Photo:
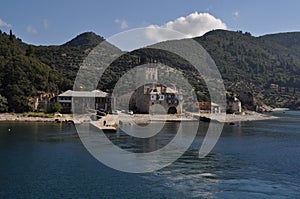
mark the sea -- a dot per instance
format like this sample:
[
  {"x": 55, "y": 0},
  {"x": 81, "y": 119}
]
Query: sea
[{"x": 255, "y": 159}]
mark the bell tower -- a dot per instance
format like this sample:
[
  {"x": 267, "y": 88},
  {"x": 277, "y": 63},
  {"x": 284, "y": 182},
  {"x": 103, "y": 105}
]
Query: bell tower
[{"x": 147, "y": 74}]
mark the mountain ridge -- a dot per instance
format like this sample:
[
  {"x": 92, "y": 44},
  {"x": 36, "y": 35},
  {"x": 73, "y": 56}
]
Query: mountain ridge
[
  {"x": 84, "y": 39},
  {"x": 241, "y": 58}
]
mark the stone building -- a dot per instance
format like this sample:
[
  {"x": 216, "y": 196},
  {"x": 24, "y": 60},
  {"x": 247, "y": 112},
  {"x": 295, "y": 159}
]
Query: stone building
[
  {"x": 42, "y": 102},
  {"x": 153, "y": 98}
]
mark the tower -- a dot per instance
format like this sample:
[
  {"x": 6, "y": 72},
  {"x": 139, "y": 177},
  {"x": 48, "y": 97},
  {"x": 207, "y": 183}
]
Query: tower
[{"x": 147, "y": 74}]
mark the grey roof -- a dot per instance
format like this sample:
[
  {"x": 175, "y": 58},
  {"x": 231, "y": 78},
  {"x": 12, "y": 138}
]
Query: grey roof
[{"x": 94, "y": 93}]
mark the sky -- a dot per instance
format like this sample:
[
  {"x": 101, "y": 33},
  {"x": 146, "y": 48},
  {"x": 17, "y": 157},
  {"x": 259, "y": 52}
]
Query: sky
[{"x": 55, "y": 22}]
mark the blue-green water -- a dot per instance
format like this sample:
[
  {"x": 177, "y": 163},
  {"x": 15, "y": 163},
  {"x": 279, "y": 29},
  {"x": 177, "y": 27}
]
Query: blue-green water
[{"x": 251, "y": 160}]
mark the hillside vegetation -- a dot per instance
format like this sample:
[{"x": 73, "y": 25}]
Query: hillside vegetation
[
  {"x": 266, "y": 67},
  {"x": 252, "y": 64}
]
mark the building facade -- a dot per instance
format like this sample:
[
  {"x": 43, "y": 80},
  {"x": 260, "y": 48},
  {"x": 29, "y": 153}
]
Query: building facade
[
  {"x": 152, "y": 98},
  {"x": 82, "y": 101},
  {"x": 234, "y": 105}
]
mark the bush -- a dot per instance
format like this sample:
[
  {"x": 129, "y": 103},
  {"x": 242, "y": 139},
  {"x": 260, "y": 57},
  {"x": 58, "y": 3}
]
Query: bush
[
  {"x": 3, "y": 104},
  {"x": 56, "y": 107}
]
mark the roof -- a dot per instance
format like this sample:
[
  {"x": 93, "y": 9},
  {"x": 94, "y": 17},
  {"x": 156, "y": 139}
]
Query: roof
[
  {"x": 94, "y": 93},
  {"x": 204, "y": 103},
  {"x": 214, "y": 104},
  {"x": 170, "y": 90}
]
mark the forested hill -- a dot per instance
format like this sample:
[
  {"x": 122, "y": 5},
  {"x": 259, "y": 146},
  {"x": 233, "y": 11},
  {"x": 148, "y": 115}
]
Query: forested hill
[
  {"x": 27, "y": 70},
  {"x": 247, "y": 64},
  {"x": 258, "y": 63}
]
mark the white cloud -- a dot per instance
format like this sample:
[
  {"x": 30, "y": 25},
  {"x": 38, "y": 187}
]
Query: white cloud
[
  {"x": 236, "y": 14},
  {"x": 4, "y": 24},
  {"x": 45, "y": 24},
  {"x": 193, "y": 25},
  {"x": 30, "y": 29},
  {"x": 122, "y": 23}
]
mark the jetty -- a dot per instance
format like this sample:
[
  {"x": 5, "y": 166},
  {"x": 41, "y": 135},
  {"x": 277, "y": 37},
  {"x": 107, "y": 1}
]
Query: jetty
[
  {"x": 111, "y": 123},
  {"x": 108, "y": 123}
]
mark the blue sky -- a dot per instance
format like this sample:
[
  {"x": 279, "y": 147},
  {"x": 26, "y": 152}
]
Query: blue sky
[{"x": 58, "y": 21}]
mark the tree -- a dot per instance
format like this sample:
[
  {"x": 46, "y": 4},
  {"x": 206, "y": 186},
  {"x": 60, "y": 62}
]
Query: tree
[
  {"x": 30, "y": 51},
  {"x": 57, "y": 107},
  {"x": 19, "y": 104},
  {"x": 10, "y": 35},
  {"x": 3, "y": 104}
]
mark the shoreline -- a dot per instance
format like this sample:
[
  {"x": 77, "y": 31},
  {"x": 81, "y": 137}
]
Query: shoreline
[
  {"x": 144, "y": 118},
  {"x": 232, "y": 118},
  {"x": 281, "y": 109},
  {"x": 19, "y": 117}
]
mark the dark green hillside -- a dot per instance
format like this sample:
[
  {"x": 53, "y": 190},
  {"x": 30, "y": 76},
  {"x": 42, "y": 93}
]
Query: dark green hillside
[
  {"x": 85, "y": 40},
  {"x": 249, "y": 65},
  {"x": 68, "y": 57},
  {"x": 289, "y": 40},
  {"x": 252, "y": 63},
  {"x": 240, "y": 56},
  {"x": 23, "y": 74},
  {"x": 27, "y": 70},
  {"x": 148, "y": 55},
  {"x": 287, "y": 48}
]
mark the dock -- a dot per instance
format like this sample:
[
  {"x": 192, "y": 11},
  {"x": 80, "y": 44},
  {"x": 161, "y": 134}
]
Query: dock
[{"x": 108, "y": 123}]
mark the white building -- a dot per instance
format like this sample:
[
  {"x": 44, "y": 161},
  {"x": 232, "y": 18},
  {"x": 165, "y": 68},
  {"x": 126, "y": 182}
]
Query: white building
[
  {"x": 80, "y": 101},
  {"x": 236, "y": 105}
]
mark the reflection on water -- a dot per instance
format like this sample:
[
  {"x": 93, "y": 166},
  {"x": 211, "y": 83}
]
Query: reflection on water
[
  {"x": 161, "y": 139},
  {"x": 251, "y": 160},
  {"x": 198, "y": 180}
]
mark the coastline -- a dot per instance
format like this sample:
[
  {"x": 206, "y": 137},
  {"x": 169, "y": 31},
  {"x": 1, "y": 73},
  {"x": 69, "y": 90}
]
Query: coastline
[
  {"x": 249, "y": 116},
  {"x": 230, "y": 118},
  {"x": 19, "y": 117},
  {"x": 281, "y": 109}
]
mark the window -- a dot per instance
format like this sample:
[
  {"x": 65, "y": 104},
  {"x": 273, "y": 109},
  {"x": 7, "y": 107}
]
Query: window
[
  {"x": 161, "y": 97},
  {"x": 153, "y": 97}
]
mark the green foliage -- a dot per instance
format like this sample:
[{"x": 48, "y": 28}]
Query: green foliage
[
  {"x": 254, "y": 63},
  {"x": 3, "y": 104},
  {"x": 246, "y": 63},
  {"x": 21, "y": 76},
  {"x": 30, "y": 51},
  {"x": 87, "y": 39},
  {"x": 56, "y": 107},
  {"x": 25, "y": 70},
  {"x": 38, "y": 114}
]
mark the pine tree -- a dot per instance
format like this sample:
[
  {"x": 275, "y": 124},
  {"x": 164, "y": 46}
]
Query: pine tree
[{"x": 10, "y": 35}]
